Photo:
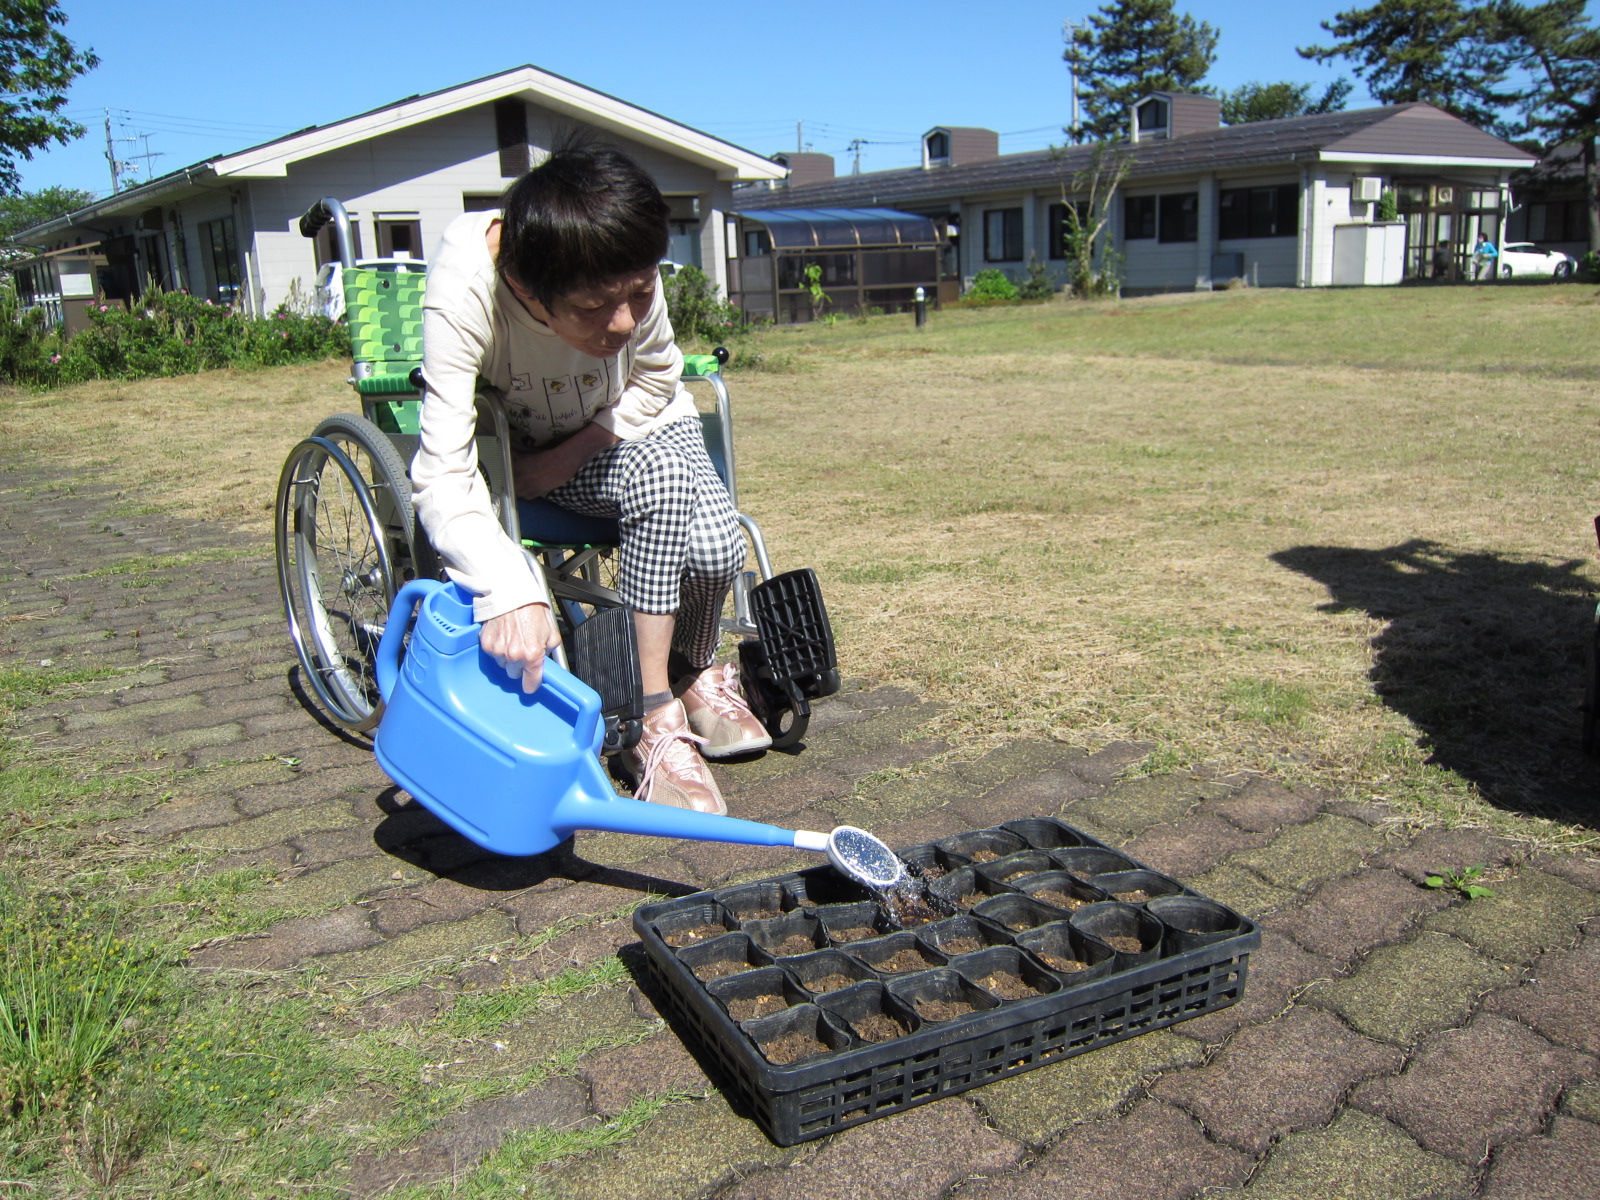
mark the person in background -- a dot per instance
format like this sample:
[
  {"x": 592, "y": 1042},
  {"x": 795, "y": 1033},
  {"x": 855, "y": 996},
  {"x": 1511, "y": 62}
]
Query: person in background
[{"x": 1485, "y": 258}]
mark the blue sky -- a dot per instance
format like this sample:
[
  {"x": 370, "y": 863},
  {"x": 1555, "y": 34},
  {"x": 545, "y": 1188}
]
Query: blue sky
[{"x": 202, "y": 79}]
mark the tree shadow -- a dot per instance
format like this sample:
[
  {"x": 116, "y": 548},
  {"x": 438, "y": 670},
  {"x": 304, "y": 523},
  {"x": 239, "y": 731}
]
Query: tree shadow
[{"x": 1485, "y": 654}]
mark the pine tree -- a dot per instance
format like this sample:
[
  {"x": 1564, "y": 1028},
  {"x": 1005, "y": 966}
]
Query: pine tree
[
  {"x": 1441, "y": 52},
  {"x": 1560, "y": 52},
  {"x": 37, "y": 64},
  {"x": 1274, "y": 101},
  {"x": 1130, "y": 48}
]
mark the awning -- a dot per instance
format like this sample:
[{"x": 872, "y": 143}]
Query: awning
[{"x": 841, "y": 228}]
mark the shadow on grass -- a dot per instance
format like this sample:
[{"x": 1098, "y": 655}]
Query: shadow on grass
[{"x": 1485, "y": 654}]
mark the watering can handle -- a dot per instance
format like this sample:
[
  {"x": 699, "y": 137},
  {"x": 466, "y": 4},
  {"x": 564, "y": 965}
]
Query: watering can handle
[{"x": 401, "y": 612}]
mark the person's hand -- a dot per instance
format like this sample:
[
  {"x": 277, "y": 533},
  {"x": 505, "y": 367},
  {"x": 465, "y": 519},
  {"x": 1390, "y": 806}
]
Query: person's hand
[{"x": 518, "y": 641}]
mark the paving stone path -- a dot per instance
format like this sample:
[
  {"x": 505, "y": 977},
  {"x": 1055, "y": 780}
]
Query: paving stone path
[{"x": 1393, "y": 1041}]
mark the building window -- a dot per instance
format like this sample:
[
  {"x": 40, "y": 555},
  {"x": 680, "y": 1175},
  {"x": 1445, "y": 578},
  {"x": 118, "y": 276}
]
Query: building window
[
  {"x": 399, "y": 238},
  {"x": 1002, "y": 235},
  {"x": 938, "y": 146},
  {"x": 757, "y": 243},
  {"x": 1152, "y": 116},
  {"x": 222, "y": 259},
  {"x": 1060, "y": 228},
  {"x": 1180, "y": 217},
  {"x": 1259, "y": 212},
  {"x": 471, "y": 202},
  {"x": 1558, "y": 221},
  {"x": 1138, "y": 217}
]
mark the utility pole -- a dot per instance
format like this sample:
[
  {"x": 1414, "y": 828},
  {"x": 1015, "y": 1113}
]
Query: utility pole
[
  {"x": 1068, "y": 28},
  {"x": 855, "y": 148},
  {"x": 111, "y": 157},
  {"x": 118, "y": 166},
  {"x": 148, "y": 154},
  {"x": 800, "y": 136}
]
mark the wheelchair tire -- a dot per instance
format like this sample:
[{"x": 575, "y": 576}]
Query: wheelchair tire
[{"x": 346, "y": 542}]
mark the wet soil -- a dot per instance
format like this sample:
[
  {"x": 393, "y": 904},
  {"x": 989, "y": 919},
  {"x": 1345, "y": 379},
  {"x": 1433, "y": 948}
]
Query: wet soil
[
  {"x": 708, "y": 971},
  {"x": 1059, "y": 899},
  {"x": 688, "y": 937},
  {"x": 879, "y": 1027},
  {"x": 855, "y": 933},
  {"x": 791, "y": 1048},
  {"x": 960, "y": 945},
  {"x": 942, "y": 1010},
  {"x": 1007, "y": 985},
  {"x": 1018, "y": 923},
  {"x": 1136, "y": 896},
  {"x": 931, "y": 872},
  {"x": 901, "y": 961},
  {"x": 1020, "y": 873},
  {"x": 828, "y": 983},
  {"x": 748, "y": 1008},
  {"x": 968, "y": 899},
  {"x": 983, "y": 856},
  {"x": 1125, "y": 945},
  {"x": 1057, "y": 963},
  {"x": 795, "y": 943},
  {"x": 909, "y": 910}
]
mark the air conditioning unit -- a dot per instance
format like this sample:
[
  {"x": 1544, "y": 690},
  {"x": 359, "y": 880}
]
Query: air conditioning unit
[{"x": 1366, "y": 189}]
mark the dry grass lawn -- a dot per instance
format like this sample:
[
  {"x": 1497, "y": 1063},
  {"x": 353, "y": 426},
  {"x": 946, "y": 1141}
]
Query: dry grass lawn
[{"x": 1343, "y": 537}]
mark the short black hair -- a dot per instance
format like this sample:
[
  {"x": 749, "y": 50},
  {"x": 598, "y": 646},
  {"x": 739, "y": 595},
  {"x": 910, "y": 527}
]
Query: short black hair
[{"x": 587, "y": 214}]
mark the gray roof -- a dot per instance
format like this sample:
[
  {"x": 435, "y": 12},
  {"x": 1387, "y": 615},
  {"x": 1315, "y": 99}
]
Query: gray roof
[{"x": 1401, "y": 129}]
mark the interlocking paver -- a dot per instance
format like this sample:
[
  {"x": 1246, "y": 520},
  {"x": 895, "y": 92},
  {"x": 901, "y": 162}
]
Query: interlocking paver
[
  {"x": 1562, "y": 1165},
  {"x": 1273, "y": 1079},
  {"x": 1155, "y": 1152},
  {"x": 1356, "y": 1157},
  {"x": 1559, "y": 997},
  {"x": 1468, "y": 1090},
  {"x": 1350, "y": 916},
  {"x": 1530, "y": 912},
  {"x": 920, "y": 1155},
  {"x": 1405, "y": 991}
]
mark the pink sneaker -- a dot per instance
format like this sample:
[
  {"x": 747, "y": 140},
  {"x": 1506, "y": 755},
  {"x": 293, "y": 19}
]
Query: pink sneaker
[
  {"x": 718, "y": 713},
  {"x": 667, "y": 766}
]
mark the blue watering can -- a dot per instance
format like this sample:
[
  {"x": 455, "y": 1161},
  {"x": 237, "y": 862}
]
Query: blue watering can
[{"x": 519, "y": 773}]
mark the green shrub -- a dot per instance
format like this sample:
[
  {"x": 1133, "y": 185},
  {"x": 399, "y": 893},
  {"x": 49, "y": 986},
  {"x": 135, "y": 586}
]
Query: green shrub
[
  {"x": 1388, "y": 206},
  {"x": 168, "y": 333},
  {"x": 696, "y": 311},
  {"x": 1589, "y": 264},
  {"x": 990, "y": 287},
  {"x": 1038, "y": 285}
]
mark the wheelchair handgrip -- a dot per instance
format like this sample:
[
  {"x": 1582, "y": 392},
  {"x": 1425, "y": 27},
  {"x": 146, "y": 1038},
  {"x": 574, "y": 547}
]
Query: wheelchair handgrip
[{"x": 314, "y": 218}]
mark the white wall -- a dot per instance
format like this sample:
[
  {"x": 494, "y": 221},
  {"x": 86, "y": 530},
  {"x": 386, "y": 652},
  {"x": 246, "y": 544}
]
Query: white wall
[{"x": 424, "y": 171}]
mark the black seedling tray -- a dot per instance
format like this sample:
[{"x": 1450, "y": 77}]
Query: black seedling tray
[{"x": 1180, "y": 973}]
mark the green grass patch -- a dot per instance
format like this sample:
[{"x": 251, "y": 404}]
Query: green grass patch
[{"x": 1267, "y": 701}]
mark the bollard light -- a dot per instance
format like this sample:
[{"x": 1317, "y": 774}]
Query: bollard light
[{"x": 920, "y": 307}]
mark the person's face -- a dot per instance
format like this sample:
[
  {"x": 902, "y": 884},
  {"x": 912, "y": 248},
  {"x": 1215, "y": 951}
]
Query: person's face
[{"x": 597, "y": 320}]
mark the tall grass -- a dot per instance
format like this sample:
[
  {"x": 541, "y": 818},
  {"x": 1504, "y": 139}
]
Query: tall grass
[{"x": 74, "y": 993}]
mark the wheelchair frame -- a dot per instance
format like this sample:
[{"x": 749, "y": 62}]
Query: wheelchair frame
[{"x": 347, "y": 538}]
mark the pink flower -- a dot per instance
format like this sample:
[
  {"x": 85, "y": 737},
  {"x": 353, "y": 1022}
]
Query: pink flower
[
  {"x": 55, "y": 358},
  {"x": 102, "y": 308},
  {"x": 284, "y": 334}
]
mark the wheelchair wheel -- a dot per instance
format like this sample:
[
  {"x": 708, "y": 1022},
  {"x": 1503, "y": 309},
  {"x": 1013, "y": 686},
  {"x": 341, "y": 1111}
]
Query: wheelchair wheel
[{"x": 346, "y": 542}]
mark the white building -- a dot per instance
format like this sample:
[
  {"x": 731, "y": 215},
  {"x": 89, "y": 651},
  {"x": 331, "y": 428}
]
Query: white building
[{"x": 226, "y": 227}]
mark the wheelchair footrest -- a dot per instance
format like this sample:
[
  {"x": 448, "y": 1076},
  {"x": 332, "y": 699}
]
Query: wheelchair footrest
[
  {"x": 604, "y": 654},
  {"x": 796, "y": 639}
]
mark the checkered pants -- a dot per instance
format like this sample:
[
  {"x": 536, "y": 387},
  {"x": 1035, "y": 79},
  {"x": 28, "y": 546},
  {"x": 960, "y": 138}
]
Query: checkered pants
[{"x": 681, "y": 542}]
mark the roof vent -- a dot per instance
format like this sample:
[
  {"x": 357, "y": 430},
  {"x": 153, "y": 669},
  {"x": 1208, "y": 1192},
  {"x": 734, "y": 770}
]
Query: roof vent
[
  {"x": 953, "y": 145},
  {"x": 1173, "y": 114}
]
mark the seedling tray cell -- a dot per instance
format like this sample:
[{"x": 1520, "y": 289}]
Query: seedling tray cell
[{"x": 838, "y": 1078}]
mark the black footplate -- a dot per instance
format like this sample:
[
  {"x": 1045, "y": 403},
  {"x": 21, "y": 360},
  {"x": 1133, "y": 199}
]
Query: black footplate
[
  {"x": 792, "y": 661},
  {"x": 604, "y": 654}
]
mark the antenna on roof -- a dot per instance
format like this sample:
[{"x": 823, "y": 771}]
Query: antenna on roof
[{"x": 1074, "y": 130}]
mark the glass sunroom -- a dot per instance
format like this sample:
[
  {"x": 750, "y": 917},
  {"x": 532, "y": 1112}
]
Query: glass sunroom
[{"x": 872, "y": 259}]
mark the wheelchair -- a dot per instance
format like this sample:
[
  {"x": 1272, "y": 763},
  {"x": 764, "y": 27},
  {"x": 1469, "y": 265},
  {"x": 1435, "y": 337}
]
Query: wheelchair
[{"x": 347, "y": 538}]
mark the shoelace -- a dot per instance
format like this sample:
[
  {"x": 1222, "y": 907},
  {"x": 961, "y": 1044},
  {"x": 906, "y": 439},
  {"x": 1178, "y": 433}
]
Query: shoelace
[
  {"x": 660, "y": 749},
  {"x": 720, "y": 690}
]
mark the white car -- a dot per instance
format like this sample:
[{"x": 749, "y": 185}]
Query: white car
[
  {"x": 1524, "y": 258},
  {"x": 328, "y": 296}
]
